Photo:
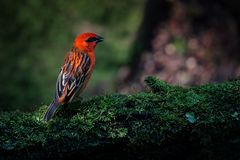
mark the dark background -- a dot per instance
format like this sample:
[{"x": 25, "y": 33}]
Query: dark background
[{"x": 186, "y": 42}]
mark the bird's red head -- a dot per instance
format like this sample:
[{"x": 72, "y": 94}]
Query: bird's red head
[{"x": 86, "y": 42}]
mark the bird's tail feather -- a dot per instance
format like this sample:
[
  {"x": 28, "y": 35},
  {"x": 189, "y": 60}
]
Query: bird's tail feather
[{"x": 51, "y": 110}]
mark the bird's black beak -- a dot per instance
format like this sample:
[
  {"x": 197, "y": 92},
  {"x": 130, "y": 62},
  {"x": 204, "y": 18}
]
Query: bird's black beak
[{"x": 99, "y": 39}]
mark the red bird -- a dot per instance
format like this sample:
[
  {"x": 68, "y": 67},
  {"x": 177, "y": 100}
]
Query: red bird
[{"x": 75, "y": 72}]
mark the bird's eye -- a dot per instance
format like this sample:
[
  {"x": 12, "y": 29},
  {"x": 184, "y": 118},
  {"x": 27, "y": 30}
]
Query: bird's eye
[{"x": 91, "y": 39}]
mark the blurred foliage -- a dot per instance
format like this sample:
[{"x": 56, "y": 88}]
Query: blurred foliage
[
  {"x": 36, "y": 34},
  {"x": 188, "y": 42},
  {"x": 168, "y": 122}
]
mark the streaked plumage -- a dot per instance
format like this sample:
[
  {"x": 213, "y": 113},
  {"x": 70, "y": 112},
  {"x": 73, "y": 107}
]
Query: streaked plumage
[{"x": 75, "y": 72}]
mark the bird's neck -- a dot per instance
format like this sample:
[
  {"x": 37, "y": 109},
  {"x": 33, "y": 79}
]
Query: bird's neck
[
  {"x": 91, "y": 54},
  {"x": 92, "y": 57}
]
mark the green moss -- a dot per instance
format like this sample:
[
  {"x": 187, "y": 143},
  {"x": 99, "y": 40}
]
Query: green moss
[{"x": 166, "y": 121}]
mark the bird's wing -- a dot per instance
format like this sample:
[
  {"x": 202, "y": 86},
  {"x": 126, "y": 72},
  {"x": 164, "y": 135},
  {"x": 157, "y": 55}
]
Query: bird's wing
[{"x": 72, "y": 76}]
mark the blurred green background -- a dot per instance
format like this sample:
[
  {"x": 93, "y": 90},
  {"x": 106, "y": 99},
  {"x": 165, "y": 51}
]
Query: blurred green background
[
  {"x": 36, "y": 34},
  {"x": 185, "y": 42}
]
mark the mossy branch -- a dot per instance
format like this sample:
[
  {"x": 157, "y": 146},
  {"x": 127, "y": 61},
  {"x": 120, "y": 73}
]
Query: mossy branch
[{"x": 165, "y": 122}]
